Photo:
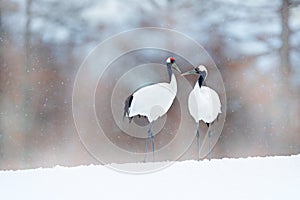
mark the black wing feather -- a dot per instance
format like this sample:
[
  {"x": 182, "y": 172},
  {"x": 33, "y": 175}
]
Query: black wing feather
[
  {"x": 127, "y": 105},
  {"x": 129, "y": 99}
]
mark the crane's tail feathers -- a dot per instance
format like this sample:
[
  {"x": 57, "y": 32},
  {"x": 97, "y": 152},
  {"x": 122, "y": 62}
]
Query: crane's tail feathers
[{"x": 127, "y": 105}]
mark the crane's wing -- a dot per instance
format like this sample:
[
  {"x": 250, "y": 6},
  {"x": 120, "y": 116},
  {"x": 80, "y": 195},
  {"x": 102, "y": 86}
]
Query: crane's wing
[
  {"x": 129, "y": 99},
  {"x": 204, "y": 104}
]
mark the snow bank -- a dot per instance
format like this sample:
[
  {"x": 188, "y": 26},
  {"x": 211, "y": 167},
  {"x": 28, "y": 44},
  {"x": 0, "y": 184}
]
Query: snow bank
[{"x": 251, "y": 178}]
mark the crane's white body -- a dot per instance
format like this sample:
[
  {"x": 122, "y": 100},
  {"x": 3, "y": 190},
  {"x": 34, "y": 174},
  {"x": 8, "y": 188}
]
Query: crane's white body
[
  {"x": 204, "y": 104},
  {"x": 153, "y": 101}
]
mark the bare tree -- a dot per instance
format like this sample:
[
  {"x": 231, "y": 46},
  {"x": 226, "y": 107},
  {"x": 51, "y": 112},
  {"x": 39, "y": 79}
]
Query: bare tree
[
  {"x": 285, "y": 38},
  {"x": 1, "y": 65},
  {"x": 284, "y": 93},
  {"x": 26, "y": 82}
]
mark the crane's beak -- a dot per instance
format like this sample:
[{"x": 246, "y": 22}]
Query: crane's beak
[
  {"x": 189, "y": 72},
  {"x": 174, "y": 65}
]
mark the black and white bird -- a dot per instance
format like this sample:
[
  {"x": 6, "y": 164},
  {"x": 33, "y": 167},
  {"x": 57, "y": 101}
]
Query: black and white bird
[
  {"x": 153, "y": 101},
  {"x": 204, "y": 103}
]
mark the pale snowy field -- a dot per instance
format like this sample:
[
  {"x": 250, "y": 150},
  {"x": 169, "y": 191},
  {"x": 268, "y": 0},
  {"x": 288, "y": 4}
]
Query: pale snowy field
[{"x": 251, "y": 178}]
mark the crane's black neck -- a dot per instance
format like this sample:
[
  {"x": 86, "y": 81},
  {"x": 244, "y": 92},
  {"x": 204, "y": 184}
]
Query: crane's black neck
[
  {"x": 169, "y": 68},
  {"x": 200, "y": 81}
]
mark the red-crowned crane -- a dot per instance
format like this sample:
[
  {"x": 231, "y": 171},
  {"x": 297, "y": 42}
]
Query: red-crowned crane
[
  {"x": 153, "y": 101},
  {"x": 204, "y": 103}
]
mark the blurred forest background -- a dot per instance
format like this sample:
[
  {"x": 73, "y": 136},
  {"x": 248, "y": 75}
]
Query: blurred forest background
[{"x": 255, "y": 44}]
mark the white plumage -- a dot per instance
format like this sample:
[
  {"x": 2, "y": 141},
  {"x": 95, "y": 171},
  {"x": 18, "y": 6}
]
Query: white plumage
[
  {"x": 153, "y": 101},
  {"x": 204, "y": 103}
]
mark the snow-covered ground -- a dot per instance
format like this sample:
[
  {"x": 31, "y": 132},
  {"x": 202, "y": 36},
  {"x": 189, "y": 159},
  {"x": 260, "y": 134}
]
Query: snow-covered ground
[{"x": 251, "y": 178}]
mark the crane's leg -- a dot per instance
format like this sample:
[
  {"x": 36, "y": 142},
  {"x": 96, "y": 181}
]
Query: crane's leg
[
  {"x": 198, "y": 141},
  {"x": 150, "y": 135},
  {"x": 152, "y": 138},
  {"x": 209, "y": 145},
  {"x": 146, "y": 150}
]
